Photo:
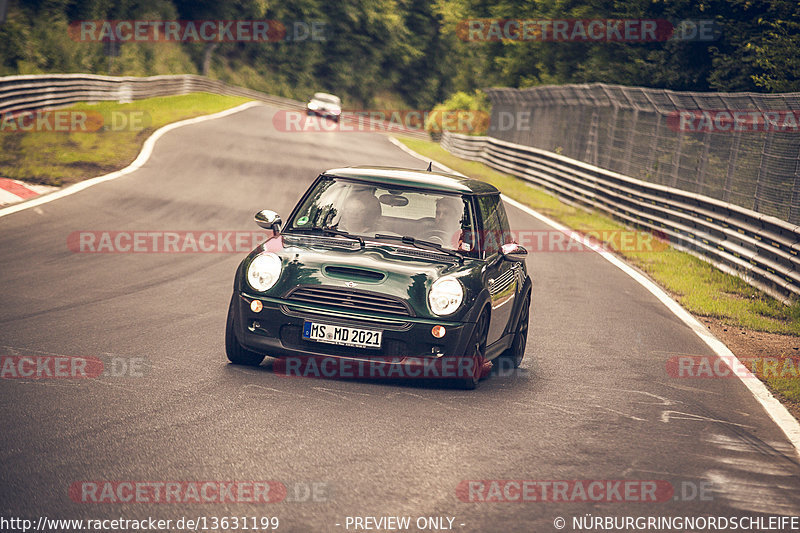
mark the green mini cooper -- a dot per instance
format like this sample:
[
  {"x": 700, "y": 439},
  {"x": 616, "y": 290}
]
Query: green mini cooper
[{"x": 384, "y": 272}]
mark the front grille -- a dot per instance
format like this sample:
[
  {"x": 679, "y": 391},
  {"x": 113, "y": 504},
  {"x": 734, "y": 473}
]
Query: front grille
[
  {"x": 349, "y": 300},
  {"x": 346, "y": 319}
]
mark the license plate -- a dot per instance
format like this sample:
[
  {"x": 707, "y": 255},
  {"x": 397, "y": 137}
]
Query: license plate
[{"x": 342, "y": 335}]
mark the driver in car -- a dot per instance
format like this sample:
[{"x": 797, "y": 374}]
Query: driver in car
[
  {"x": 361, "y": 211},
  {"x": 446, "y": 226}
]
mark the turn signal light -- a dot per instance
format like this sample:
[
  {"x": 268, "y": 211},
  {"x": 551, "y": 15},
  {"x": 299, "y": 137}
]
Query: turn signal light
[{"x": 438, "y": 331}]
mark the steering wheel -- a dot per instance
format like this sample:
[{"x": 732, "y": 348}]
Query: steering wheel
[{"x": 437, "y": 235}]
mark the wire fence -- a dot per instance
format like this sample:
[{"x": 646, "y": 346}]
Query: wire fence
[{"x": 740, "y": 148}]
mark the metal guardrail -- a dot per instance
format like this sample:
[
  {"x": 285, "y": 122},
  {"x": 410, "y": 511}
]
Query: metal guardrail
[
  {"x": 761, "y": 249},
  {"x": 18, "y": 93},
  {"x": 26, "y": 93}
]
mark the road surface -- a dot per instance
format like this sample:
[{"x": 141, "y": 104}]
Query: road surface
[{"x": 593, "y": 401}]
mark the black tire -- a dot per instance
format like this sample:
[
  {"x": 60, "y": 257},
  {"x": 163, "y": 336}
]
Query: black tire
[
  {"x": 476, "y": 350},
  {"x": 516, "y": 352},
  {"x": 236, "y": 354}
]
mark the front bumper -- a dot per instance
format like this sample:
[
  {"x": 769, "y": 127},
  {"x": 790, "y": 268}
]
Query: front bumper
[
  {"x": 277, "y": 331},
  {"x": 323, "y": 113}
]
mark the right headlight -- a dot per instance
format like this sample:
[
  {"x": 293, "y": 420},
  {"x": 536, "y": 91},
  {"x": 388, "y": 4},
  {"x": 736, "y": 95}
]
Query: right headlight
[
  {"x": 264, "y": 271},
  {"x": 445, "y": 296}
]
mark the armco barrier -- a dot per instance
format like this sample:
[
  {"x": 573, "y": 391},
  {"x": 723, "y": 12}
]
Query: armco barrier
[
  {"x": 19, "y": 93},
  {"x": 761, "y": 249},
  {"x": 24, "y": 93}
]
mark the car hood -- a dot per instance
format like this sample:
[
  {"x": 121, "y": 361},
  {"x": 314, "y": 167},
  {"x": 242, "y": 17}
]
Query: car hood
[{"x": 403, "y": 272}]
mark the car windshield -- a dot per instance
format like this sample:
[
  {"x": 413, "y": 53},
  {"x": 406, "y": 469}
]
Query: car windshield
[
  {"x": 327, "y": 98},
  {"x": 367, "y": 210}
]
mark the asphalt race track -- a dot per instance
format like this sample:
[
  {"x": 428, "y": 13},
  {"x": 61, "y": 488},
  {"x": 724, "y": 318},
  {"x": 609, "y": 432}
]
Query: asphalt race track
[{"x": 594, "y": 400}]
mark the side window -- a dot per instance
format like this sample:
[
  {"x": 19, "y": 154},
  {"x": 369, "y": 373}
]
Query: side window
[
  {"x": 491, "y": 230},
  {"x": 468, "y": 239},
  {"x": 502, "y": 218}
]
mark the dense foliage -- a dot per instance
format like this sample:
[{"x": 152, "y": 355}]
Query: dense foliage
[{"x": 410, "y": 53}]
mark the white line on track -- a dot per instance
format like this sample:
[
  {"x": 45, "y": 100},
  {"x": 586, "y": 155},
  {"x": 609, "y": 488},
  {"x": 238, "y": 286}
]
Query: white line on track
[
  {"x": 779, "y": 414},
  {"x": 144, "y": 155}
]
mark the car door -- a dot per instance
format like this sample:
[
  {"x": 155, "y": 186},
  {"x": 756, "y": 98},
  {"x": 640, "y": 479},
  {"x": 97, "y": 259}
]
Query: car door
[{"x": 502, "y": 278}]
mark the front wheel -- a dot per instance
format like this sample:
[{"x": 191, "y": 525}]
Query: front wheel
[
  {"x": 236, "y": 354},
  {"x": 476, "y": 354},
  {"x": 517, "y": 350}
]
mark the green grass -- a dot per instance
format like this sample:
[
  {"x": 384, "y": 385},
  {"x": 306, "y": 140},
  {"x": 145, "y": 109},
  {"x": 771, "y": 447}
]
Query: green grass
[
  {"x": 61, "y": 158},
  {"x": 697, "y": 285}
]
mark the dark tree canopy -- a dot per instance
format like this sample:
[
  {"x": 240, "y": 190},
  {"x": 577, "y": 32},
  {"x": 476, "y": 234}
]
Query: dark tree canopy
[{"x": 411, "y": 53}]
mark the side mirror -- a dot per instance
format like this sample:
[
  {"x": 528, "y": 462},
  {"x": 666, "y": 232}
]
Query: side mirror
[
  {"x": 269, "y": 220},
  {"x": 514, "y": 252}
]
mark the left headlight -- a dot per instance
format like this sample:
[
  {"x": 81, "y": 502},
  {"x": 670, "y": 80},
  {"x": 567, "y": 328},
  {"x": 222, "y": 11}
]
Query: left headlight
[
  {"x": 264, "y": 271},
  {"x": 445, "y": 296}
]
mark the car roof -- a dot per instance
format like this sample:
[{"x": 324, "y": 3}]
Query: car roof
[
  {"x": 410, "y": 177},
  {"x": 323, "y": 95}
]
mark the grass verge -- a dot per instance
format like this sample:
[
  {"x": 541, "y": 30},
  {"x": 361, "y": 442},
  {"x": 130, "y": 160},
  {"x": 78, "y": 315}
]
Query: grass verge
[
  {"x": 702, "y": 289},
  {"x": 64, "y": 157}
]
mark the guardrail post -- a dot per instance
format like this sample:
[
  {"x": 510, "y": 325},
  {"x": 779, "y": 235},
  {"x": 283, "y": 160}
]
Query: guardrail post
[
  {"x": 626, "y": 169},
  {"x": 125, "y": 93},
  {"x": 612, "y": 134},
  {"x": 652, "y": 161},
  {"x": 726, "y": 192},
  {"x": 590, "y": 155},
  {"x": 794, "y": 205},
  {"x": 761, "y": 170},
  {"x": 676, "y": 160},
  {"x": 702, "y": 164}
]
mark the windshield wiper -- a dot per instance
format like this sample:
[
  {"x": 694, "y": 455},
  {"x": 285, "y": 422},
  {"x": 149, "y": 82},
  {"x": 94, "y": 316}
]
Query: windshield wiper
[
  {"x": 340, "y": 233},
  {"x": 421, "y": 244}
]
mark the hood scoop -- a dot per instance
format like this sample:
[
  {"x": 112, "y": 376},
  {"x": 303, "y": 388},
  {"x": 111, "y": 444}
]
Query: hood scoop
[{"x": 355, "y": 274}]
